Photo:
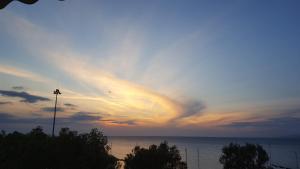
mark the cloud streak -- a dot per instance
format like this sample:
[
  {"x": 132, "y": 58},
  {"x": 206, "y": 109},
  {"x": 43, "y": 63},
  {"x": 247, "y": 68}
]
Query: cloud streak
[
  {"x": 9, "y": 70},
  {"x": 128, "y": 122},
  {"x": 80, "y": 117},
  {"x": 26, "y": 97},
  {"x": 84, "y": 117},
  {"x": 5, "y": 103},
  {"x": 112, "y": 93},
  {"x": 275, "y": 123},
  {"x": 70, "y": 105},
  {"x": 144, "y": 103},
  {"x": 192, "y": 107},
  {"x": 18, "y": 88},
  {"x": 51, "y": 109}
]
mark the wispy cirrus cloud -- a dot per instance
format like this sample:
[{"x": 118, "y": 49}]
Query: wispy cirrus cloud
[
  {"x": 10, "y": 70},
  {"x": 144, "y": 103},
  {"x": 118, "y": 96},
  {"x": 26, "y": 97}
]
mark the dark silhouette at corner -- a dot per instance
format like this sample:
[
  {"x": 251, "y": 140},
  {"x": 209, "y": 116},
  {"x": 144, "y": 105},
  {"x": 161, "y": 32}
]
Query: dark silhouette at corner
[
  {"x": 4, "y": 3},
  {"x": 68, "y": 150}
]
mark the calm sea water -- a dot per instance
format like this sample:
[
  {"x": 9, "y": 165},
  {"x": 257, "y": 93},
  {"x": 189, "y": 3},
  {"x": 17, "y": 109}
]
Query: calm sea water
[{"x": 282, "y": 151}]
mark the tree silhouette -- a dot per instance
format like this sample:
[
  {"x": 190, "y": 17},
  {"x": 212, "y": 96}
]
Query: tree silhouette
[
  {"x": 249, "y": 156},
  {"x": 156, "y": 157},
  {"x": 69, "y": 150}
]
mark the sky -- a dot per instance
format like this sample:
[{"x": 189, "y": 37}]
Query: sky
[{"x": 152, "y": 68}]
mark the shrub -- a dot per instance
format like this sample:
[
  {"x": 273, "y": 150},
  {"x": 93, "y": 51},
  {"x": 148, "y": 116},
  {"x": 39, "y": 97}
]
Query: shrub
[
  {"x": 69, "y": 150},
  {"x": 249, "y": 156},
  {"x": 155, "y": 157}
]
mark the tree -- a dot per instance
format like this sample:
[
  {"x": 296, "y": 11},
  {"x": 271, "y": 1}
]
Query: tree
[
  {"x": 155, "y": 157},
  {"x": 69, "y": 150},
  {"x": 249, "y": 156}
]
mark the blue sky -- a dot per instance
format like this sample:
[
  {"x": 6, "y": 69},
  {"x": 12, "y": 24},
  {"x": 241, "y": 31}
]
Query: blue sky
[{"x": 199, "y": 68}]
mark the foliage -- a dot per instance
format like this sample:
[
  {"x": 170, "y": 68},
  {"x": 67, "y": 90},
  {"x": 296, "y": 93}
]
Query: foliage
[
  {"x": 69, "y": 150},
  {"x": 249, "y": 156},
  {"x": 156, "y": 157}
]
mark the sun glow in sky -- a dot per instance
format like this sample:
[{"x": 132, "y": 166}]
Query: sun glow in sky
[{"x": 192, "y": 68}]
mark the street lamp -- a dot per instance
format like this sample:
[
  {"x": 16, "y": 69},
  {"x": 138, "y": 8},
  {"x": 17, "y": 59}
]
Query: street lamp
[{"x": 56, "y": 92}]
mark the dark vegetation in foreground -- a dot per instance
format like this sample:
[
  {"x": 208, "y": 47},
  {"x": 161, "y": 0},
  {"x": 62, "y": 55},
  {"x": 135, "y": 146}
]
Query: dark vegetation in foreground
[
  {"x": 249, "y": 156},
  {"x": 70, "y": 150},
  {"x": 156, "y": 157}
]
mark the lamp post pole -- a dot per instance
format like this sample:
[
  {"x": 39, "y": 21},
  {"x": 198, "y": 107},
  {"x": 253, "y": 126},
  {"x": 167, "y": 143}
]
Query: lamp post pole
[{"x": 56, "y": 92}]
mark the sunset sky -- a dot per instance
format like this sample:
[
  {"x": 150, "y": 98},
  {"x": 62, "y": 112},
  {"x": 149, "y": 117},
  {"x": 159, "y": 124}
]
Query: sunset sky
[{"x": 169, "y": 67}]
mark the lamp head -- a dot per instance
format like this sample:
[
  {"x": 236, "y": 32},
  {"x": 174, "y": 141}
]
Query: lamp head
[{"x": 56, "y": 91}]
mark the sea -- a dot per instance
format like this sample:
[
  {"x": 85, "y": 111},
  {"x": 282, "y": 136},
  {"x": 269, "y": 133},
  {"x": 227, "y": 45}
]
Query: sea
[{"x": 204, "y": 152}]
